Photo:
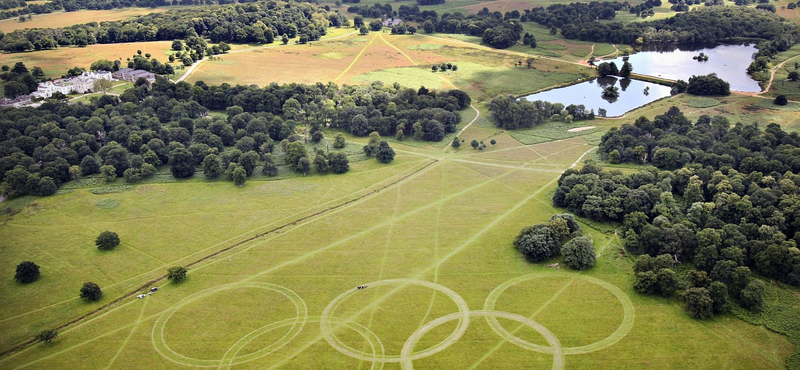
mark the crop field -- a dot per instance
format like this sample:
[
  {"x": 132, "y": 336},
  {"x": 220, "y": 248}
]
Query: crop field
[
  {"x": 429, "y": 235},
  {"x": 56, "y": 62},
  {"x": 63, "y": 19}
]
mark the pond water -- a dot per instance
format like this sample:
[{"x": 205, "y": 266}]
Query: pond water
[
  {"x": 673, "y": 62},
  {"x": 632, "y": 94}
]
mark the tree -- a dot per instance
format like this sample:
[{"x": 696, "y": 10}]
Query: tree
[
  {"x": 239, "y": 175},
  {"x": 338, "y": 162},
  {"x": 107, "y": 240},
  {"x": 385, "y": 153},
  {"x": 456, "y": 142},
  {"x": 579, "y": 253},
  {"x": 321, "y": 164},
  {"x": 285, "y": 39},
  {"x": 269, "y": 168},
  {"x": 699, "y": 303},
  {"x": 177, "y": 45},
  {"x": 212, "y": 167},
  {"x": 474, "y": 143},
  {"x": 363, "y": 30},
  {"x": 27, "y": 272},
  {"x": 780, "y": 100},
  {"x": 181, "y": 162},
  {"x": 339, "y": 142},
  {"x": 752, "y": 296},
  {"x": 303, "y": 166},
  {"x": 537, "y": 242},
  {"x": 373, "y": 144},
  {"x": 176, "y": 274},
  {"x": 794, "y": 76},
  {"x": 91, "y": 292},
  {"x": 101, "y": 85},
  {"x": 626, "y": 69},
  {"x": 294, "y": 152},
  {"x": 46, "y": 336},
  {"x": 376, "y": 25},
  {"x": 719, "y": 295}
]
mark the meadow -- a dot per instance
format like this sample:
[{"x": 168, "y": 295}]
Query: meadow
[
  {"x": 63, "y": 19},
  {"x": 274, "y": 265},
  {"x": 433, "y": 245}
]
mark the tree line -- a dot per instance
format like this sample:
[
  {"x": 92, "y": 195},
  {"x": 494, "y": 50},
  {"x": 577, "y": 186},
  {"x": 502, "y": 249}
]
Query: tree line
[
  {"x": 259, "y": 22},
  {"x": 75, "y": 5},
  {"x": 167, "y": 123}
]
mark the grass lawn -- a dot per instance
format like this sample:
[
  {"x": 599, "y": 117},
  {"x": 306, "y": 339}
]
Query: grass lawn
[{"x": 448, "y": 227}]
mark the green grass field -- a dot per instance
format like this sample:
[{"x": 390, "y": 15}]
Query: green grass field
[{"x": 274, "y": 265}]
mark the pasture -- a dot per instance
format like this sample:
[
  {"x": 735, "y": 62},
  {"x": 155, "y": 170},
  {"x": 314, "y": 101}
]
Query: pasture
[
  {"x": 64, "y": 19},
  {"x": 433, "y": 245}
]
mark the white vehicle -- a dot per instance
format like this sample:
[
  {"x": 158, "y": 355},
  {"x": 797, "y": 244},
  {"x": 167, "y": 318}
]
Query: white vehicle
[{"x": 140, "y": 296}]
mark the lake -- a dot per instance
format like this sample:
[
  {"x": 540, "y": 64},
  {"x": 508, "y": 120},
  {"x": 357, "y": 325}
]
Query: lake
[
  {"x": 673, "y": 62},
  {"x": 631, "y": 95}
]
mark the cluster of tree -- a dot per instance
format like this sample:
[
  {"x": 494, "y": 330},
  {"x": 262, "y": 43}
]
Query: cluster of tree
[
  {"x": 166, "y": 123},
  {"x": 705, "y": 295},
  {"x": 259, "y": 22},
  {"x": 735, "y": 198},
  {"x": 372, "y": 11},
  {"x": 644, "y": 9},
  {"x": 610, "y": 69},
  {"x": 389, "y": 110},
  {"x": 444, "y": 67},
  {"x": 560, "y": 15},
  {"x": 706, "y": 25},
  {"x": 562, "y": 235},
  {"x": 19, "y": 81},
  {"x": 708, "y": 85},
  {"x": 512, "y": 113},
  {"x": 670, "y": 141},
  {"x": 402, "y": 29}
]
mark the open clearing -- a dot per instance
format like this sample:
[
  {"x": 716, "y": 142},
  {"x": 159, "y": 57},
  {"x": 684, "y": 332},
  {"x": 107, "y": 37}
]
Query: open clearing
[{"x": 64, "y": 19}]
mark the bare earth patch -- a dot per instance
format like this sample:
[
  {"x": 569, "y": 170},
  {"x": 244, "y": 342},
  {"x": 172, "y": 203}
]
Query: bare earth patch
[{"x": 579, "y": 129}]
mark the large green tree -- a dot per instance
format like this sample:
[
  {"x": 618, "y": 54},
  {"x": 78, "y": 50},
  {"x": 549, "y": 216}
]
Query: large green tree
[
  {"x": 107, "y": 240},
  {"x": 579, "y": 253},
  {"x": 27, "y": 272}
]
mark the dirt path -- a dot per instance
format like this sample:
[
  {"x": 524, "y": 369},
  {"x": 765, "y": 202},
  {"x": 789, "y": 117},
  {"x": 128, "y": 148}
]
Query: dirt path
[{"x": 772, "y": 74}]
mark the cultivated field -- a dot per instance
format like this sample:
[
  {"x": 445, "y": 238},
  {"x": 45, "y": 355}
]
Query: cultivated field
[{"x": 62, "y": 19}]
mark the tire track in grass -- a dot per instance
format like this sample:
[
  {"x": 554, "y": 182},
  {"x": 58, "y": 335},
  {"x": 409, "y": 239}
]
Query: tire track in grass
[
  {"x": 128, "y": 338},
  {"x": 521, "y": 326},
  {"x": 436, "y": 263},
  {"x": 276, "y": 230}
]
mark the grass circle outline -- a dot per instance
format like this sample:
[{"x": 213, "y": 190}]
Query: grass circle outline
[
  {"x": 552, "y": 340},
  {"x": 330, "y": 336},
  {"x": 299, "y": 321},
  {"x": 621, "y": 332}
]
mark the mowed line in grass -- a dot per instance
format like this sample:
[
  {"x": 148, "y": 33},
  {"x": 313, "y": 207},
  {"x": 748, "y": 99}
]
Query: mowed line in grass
[
  {"x": 306, "y": 256},
  {"x": 435, "y": 264},
  {"x": 227, "y": 241},
  {"x": 276, "y": 231}
]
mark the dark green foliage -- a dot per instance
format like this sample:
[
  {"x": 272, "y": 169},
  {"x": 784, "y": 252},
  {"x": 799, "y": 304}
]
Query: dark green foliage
[
  {"x": 176, "y": 273},
  {"x": 212, "y": 167},
  {"x": 699, "y": 303},
  {"x": 371, "y": 149},
  {"x": 339, "y": 142},
  {"x": 27, "y": 272},
  {"x": 781, "y": 100},
  {"x": 654, "y": 275},
  {"x": 752, "y": 296},
  {"x": 107, "y": 240},
  {"x": 456, "y": 142},
  {"x": 294, "y": 152},
  {"x": 579, "y": 253},
  {"x": 719, "y": 295},
  {"x": 708, "y": 85},
  {"x": 511, "y": 113},
  {"x": 269, "y": 168},
  {"x": 338, "y": 162},
  {"x": 181, "y": 163},
  {"x": 91, "y": 292},
  {"x": 46, "y": 336},
  {"x": 385, "y": 153},
  {"x": 542, "y": 241}
]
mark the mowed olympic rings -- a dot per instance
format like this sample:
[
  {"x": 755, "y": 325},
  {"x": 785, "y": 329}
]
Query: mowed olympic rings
[
  {"x": 231, "y": 357},
  {"x": 330, "y": 336},
  {"x": 622, "y": 330},
  {"x": 376, "y": 351}
]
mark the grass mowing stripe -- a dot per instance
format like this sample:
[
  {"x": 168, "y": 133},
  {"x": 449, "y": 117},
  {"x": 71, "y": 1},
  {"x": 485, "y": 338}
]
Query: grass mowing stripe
[
  {"x": 435, "y": 264},
  {"x": 520, "y": 326},
  {"x": 128, "y": 338},
  {"x": 355, "y": 59}
]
